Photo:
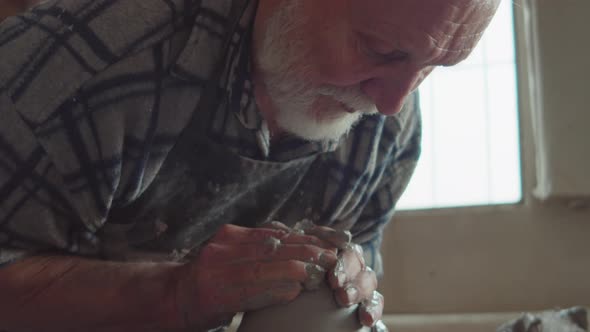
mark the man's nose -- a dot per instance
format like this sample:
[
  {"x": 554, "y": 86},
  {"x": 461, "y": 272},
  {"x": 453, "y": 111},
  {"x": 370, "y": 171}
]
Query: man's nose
[{"x": 389, "y": 92}]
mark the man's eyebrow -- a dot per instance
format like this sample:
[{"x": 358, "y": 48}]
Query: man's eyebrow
[
  {"x": 452, "y": 56},
  {"x": 456, "y": 58}
]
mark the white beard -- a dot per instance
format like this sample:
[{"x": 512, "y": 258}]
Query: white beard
[{"x": 285, "y": 76}]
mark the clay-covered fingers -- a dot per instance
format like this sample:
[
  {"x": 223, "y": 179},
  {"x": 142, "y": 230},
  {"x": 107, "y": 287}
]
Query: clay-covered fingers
[
  {"x": 218, "y": 254},
  {"x": 243, "y": 235},
  {"x": 362, "y": 290},
  {"x": 350, "y": 263},
  {"x": 308, "y": 275},
  {"x": 371, "y": 310},
  {"x": 339, "y": 239},
  {"x": 358, "y": 290}
]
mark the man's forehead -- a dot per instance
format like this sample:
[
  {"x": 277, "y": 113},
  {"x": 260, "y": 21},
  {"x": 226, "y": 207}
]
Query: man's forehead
[
  {"x": 421, "y": 3},
  {"x": 428, "y": 11},
  {"x": 452, "y": 26}
]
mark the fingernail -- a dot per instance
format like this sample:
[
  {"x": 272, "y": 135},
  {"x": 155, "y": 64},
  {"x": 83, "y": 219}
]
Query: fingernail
[
  {"x": 351, "y": 294},
  {"x": 278, "y": 226},
  {"x": 315, "y": 276},
  {"x": 372, "y": 304},
  {"x": 339, "y": 272},
  {"x": 373, "y": 315},
  {"x": 348, "y": 236},
  {"x": 360, "y": 253},
  {"x": 339, "y": 239},
  {"x": 372, "y": 311}
]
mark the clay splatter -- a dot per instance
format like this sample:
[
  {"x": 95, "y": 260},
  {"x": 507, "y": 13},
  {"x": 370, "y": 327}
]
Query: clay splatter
[
  {"x": 273, "y": 242},
  {"x": 315, "y": 276}
]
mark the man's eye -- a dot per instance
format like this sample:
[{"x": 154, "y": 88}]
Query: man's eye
[
  {"x": 385, "y": 56},
  {"x": 390, "y": 56}
]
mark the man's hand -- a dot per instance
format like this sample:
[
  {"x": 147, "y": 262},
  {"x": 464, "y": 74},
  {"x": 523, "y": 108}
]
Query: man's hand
[
  {"x": 354, "y": 282},
  {"x": 244, "y": 269},
  {"x": 351, "y": 279}
]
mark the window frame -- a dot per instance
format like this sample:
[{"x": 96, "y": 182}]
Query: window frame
[{"x": 526, "y": 256}]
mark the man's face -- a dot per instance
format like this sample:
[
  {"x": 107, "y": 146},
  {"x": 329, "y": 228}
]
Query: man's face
[{"x": 326, "y": 63}]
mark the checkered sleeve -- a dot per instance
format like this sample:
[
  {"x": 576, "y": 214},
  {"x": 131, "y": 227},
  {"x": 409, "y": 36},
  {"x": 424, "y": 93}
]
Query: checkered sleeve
[
  {"x": 36, "y": 212},
  {"x": 74, "y": 135},
  {"x": 401, "y": 137}
]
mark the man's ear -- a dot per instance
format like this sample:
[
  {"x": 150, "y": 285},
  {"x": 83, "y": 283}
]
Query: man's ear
[
  {"x": 577, "y": 315},
  {"x": 526, "y": 323}
]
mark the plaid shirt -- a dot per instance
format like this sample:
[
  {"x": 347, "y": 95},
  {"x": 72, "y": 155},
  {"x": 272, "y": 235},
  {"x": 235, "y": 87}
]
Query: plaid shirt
[{"x": 94, "y": 96}]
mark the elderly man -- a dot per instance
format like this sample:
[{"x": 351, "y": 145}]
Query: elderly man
[{"x": 149, "y": 147}]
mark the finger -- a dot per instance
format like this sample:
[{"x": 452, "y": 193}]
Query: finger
[
  {"x": 257, "y": 296},
  {"x": 277, "y": 225},
  {"x": 339, "y": 239},
  {"x": 366, "y": 283},
  {"x": 236, "y": 234},
  {"x": 358, "y": 290},
  {"x": 216, "y": 254},
  {"x": 309, "y": 275},
  {"x": 371, "y": 310},
  {"x": 349, "y": 264}
]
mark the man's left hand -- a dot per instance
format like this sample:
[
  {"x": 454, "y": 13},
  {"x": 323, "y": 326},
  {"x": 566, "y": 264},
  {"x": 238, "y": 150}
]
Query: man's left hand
[
  {"x": 355, "y": 283},
  {"x": 352, "y": 281}
]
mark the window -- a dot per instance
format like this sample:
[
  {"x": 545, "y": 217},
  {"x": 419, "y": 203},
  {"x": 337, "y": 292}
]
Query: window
[{"x": 470, "y": 145}]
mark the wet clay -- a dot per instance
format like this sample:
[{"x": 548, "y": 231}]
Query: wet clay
[
  {"x": 340, "y": 239},
  {"x": 312, "y": 311}
]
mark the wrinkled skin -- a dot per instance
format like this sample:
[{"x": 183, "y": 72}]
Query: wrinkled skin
[
  {"x": 385, "y": 47},
  {"x": 239, "y": 270},
  {"x": 244, "y": 271}
]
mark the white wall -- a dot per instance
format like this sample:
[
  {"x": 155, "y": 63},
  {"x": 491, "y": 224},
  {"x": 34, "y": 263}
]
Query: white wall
[{"x": 529, "y": 256}]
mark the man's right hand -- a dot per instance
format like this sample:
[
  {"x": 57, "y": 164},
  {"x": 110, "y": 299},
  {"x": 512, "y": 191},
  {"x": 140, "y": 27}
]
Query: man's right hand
[{"x": 243, "y": 269}]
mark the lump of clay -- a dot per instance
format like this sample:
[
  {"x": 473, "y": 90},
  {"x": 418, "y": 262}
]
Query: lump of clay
[
  {"x": 312, "y": 311},
  {"x": 569, "y": 320}
]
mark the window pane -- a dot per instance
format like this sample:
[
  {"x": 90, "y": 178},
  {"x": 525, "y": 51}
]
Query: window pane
[{"x": 470, "y": 140}]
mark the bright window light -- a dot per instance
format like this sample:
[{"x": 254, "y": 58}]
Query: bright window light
[{"x": 470, "y": 145}]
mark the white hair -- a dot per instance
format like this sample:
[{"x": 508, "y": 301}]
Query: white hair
[{"x": 282, "y": 59}]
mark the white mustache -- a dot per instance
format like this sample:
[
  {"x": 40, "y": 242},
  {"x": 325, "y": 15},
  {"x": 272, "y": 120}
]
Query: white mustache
[{"x": 352, "y": 97}]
